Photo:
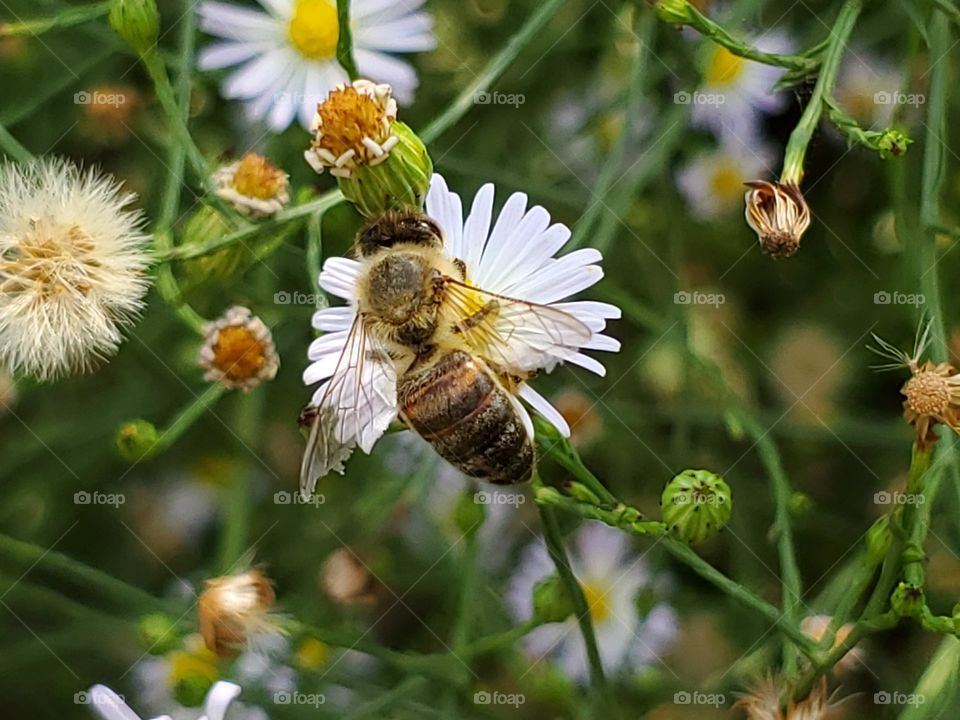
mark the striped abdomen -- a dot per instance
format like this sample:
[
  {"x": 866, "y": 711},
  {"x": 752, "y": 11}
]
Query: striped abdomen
[{"x": 455, "y": 404}]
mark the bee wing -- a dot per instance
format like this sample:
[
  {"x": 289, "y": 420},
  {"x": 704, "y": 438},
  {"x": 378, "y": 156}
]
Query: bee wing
[
  {"x": 354, "y": 407},
  {"x": 519, "y": 335}
]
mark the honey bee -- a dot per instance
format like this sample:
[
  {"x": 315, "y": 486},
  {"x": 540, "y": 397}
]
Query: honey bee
[{"x": 445, "y": 356}]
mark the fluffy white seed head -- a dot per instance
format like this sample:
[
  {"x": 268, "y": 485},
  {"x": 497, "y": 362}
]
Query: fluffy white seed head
[{"x": 73, "y": 260}]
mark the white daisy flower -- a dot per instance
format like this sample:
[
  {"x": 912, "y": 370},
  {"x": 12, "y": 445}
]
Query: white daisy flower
[
  {"x": 110, "y": 706},
  {"x": 713, "y": 182},
  {"x": 287, "y": 55},
  {"x": 735, "y": 91},
  {"x": 868, "y": 88},
  {"x": 511, "y": 257},
  {"x": 73, "y": 262},
  {"x": 611, "y": 577}
]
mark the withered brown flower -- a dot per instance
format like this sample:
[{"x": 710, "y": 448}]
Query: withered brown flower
[{"x": 779, "y": 215}]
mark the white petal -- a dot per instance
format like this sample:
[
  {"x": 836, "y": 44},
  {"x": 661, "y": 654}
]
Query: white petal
[
  {"x": 219, "y": 699},
  {"x": 588, "y": 363},
  {"x": 524, "y": 416},
  {"x": 477, "y": 228},
  {"x": 331, "y": 343},
  {"x": 584, "y": 309},
  {"x": 510, "y": 216},
  {"x": 334, "y": 318},
  {"x": 411, "y": 34},
  {"x": 444, "y": 207},
  {"x": 339, "y": 277},
  {"x": 382, "y": 68},
  {"x": 534, "y": 253},
  {"x": 558, "y": 280},
  {"x": 286, "y": 104},
  {"x": 380, "y": 11},
  {"x": 236, "y": 23},
  {"x": 516, "y": 247},
  {"x": 539, "y": 403},
  {"x": 108, "y": 705},
  {"x": 229, "y": 54},
  {"x": 257, "y": 76}
]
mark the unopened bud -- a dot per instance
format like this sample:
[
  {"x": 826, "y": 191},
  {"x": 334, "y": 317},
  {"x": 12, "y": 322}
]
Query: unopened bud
[
  {"x": 908, "y": 600},
  {"x": 158, "y": 633},
  {"x": 137, "y": 22},
  {"x": 136, "y": 439},
  {"x": 696, "y": 504},
  {"x": 676, "y": 12},
  {"x": 551, "y": 601},
  {"x": 879, "y": 540}
]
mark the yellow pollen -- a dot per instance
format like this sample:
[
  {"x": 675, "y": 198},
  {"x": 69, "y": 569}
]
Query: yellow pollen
[
  {"x": 347, "y": 117},
  {"x": 238, "y": 353},
  {"x": 598, "y": 602},
  {"x": 928, "y": 393},
  {"x": 727, "y": 183},
  {"x": 313, "y": 29},
  {"x": 257, "y": 177},
  {"x": 724, "y": 67}
]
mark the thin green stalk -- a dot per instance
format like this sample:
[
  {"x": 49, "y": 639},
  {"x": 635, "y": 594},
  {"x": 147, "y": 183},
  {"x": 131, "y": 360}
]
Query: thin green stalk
[
  {"x": 948, "y": 9},
  {"x": 497, "y": 65},
  {"x": 386, "y": 702},
  {"x": 499, "y": 641},
  {"x": 345, "y": 40},
  {"x": 803, "y": 132},
  {"x": 12, "y": 147},
  {"x": 315, "y": 256},
  {"x": 68, "y": 17},
  {"x": 554, "y": 541},
  {"x": 186, "y": 418}
]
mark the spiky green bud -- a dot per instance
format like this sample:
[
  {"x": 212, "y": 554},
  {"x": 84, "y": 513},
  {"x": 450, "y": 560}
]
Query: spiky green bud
[
  {"x": 136, "y": 439},
  {"x": 137, "y": 22},
  {"x": 908, "y": 600},
  {"x": 696, "y": 504}
]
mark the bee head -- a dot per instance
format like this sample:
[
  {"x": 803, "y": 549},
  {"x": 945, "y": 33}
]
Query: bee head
[{"x": 395, "y": 227}]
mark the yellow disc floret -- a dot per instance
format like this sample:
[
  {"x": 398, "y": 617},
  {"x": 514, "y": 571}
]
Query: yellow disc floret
[
  {"x": 313, "y": 29},
  {"x": 724, "y": 67}
]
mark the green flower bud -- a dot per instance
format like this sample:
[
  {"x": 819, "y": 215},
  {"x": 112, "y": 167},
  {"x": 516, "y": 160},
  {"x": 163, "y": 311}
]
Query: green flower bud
[
  {"x": 380, "y": 163},
  {"x": 892, "y": 143},
  {"x": 137, "y": 22},
  {"x": 879, "y": 540},
  {"x": 908, "y": 600},
  {"x": 696, "y": 504},
  {"x": 469, "y": 513},
  {"x": 551, "y": 601},
  {"x": 581, "y": 492},
  {"x": 158, "y": 633},
  {"x": 136, "y": 439},
  {"x": 191, "y": 689},
  {"x": 676, "y": 12}
]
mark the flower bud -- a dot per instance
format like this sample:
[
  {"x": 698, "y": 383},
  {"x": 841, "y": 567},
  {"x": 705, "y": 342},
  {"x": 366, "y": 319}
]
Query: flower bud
[
  {"x": 696, "y": 504},
  {"x": 908, "y": 600},
  {"x": 380, "y": 163},
  {"x": 892, "y": 143},
  {"x": 232, "y": 609},
  {"x": 551, "y": 601},
  {"x": 779, "y": 215},
  {"x": 253, "y": 186},
  {"x": 158, "y": 633},
  {"x": 137, "y": 22},
  {"x": 238, "y": 350},
  {"x": 676, "y": 12},
  {"x": 136, "y": 439},
  {"x": 879, "y": 540}
]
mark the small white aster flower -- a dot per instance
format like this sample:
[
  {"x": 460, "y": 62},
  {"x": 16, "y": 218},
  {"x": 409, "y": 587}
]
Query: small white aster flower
[
  {"x": 288, "y": 54},
  {"x": 238, "y": 350},
  {"x": 73, "y": 262},
  {"x": 736, "y": 92},
  {"x": 353, "y": 126},
  {"x": 512, "y": 256},
  {"x": 253, "y": 185},
  {"x": 611, "y": 577},
  {"x": 110, "y": 706},
  {"x": 713, "y": 183}
]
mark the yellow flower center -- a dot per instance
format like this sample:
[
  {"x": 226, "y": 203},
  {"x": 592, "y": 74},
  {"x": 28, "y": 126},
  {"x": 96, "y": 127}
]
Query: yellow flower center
[
  {"x": 312, "y": 654},
  {"x": 185, "y": 665},
  {"x": 50, "y": 261},
  {"x": 597, "y": 601},
  {"x": 313, "y": 29},
  {"x": 727, "y": 183},
  {"x": 347, "y": 117},
  {"x": 257, "y": 177},
  {"x": 928, "y": 393},
  {"x": 724, "y": 67},
  {"x": 238, "y": 353}
]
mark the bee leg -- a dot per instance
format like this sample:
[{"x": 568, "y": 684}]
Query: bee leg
[
  {"x": 462, "y": 267},
  {"x": 471, "y": 321}
]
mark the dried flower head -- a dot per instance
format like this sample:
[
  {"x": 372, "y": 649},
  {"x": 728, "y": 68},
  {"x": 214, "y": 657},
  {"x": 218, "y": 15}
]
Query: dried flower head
[
  {"x": 581, "y": 414},
  {"x": 108, "y": 112},
  {"x": 816, "y": 625},
  {"x": 353, "y": 127},
  {"x": 72, "y": 267},
  {"x": 238, "y": 350},
  {"x": 932, "y": 392},
  {"x": 253, "y": 185},
  {"x": 778, "y": 214},
  {"x": 233, "y": 610},
  {"x": 347, "y": 581},
  {"x": 763, "y": 701}
]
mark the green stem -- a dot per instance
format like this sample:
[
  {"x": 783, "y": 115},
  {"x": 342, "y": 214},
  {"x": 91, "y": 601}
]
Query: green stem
[
  {"x": 12, "y": 147},
  {"x": 554, "y": 541},
  {"x": 499, "y": 641},
  {"x": 948, "y": 9},
  {"x": 345, "y": 40},
  {"x": 803, "y": 132},
  {"x": 65, "y": 18},
  {"x": 497, "y": 65},
  {"x": 382, "y": 705},
  {"x": 187, "y": 416}
]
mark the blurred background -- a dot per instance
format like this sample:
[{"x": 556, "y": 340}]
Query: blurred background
[{"x": 601, "y": 131}]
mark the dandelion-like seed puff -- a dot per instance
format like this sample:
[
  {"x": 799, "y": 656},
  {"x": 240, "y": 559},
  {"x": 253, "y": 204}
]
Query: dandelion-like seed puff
[{"x": 73, "y": 260}]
